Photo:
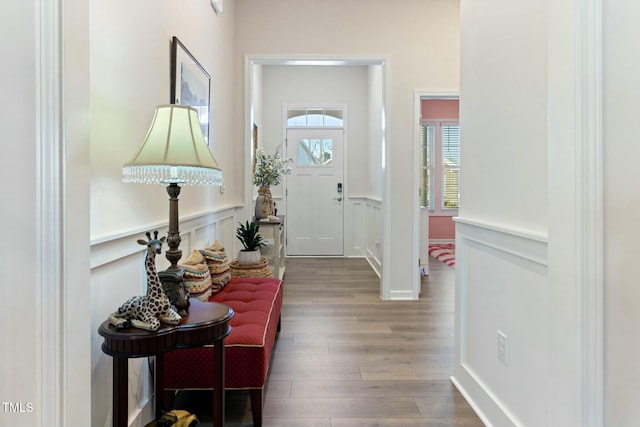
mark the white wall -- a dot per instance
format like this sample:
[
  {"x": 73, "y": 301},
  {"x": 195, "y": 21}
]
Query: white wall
[
  {"x": 501, "y": 235},
  {"x": 310, "y": 86},
  {"x": 504, "y": 113},
  {"x": 622, "y": 204},
  {"x": 420, "y": 39},
  {"x": 582, "y": 318},
  {"x": 18, "y": 381},
  {"x": 375, "y": 91},
  {"x": 44, "y": 371},
  {"x": 373, "y": 224}
]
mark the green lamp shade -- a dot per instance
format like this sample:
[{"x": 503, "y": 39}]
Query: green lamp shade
[{"x": 174, "y": 151}]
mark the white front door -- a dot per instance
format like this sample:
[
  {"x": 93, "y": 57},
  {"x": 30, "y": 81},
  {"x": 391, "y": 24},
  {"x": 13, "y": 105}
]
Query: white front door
[{"x": 315, "y": 194}]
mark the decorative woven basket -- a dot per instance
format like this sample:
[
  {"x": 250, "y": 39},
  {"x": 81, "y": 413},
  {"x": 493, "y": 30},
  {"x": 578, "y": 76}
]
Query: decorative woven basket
[{"x": 260, "y": 269}]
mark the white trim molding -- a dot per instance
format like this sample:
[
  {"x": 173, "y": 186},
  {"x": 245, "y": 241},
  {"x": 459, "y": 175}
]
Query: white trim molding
[
  {"x": 525, "y": 244},
  {"x": 50, "y": 215},
  {"x": 590, "y": 206},
  {"x": 252, "y": 60},
  {"x": 195, "y": 230}
]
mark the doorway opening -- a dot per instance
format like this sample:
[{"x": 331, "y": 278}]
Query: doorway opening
[
  {"x": 437, "y": 141},
  {"x": 370, "y": 189}
]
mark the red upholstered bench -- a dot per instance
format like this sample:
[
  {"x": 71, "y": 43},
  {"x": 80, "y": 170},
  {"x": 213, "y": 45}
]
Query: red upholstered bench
[{"x": 257, "y": 303}]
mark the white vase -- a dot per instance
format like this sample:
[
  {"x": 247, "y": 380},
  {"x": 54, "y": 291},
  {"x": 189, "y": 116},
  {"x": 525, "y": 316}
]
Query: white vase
[{"x": 249, "y": 257}]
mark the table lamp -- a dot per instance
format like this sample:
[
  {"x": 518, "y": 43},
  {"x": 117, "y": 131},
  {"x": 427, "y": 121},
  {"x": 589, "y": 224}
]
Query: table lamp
[{"x": 174, "y": 152}]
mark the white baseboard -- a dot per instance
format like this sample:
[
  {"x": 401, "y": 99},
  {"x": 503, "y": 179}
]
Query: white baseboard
[{"x": 470, "y": 401}]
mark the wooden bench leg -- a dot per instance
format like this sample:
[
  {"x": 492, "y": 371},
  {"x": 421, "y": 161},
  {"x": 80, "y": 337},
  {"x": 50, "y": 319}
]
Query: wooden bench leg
[
  {"x": 255, "y": 396},
  {"x": 169, "y": 396}
]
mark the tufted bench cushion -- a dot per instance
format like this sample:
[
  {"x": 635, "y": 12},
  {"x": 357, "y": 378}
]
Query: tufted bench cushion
[{"x": 257, "y": 303}]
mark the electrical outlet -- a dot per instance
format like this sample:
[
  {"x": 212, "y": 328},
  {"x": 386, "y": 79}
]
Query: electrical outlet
[{"x": 502, "y": 347}]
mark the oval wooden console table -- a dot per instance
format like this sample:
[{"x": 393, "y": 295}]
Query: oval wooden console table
[{"x": 205, "y": 323}]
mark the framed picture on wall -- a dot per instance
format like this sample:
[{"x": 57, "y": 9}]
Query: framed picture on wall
[{"x": 190, "y": 84}]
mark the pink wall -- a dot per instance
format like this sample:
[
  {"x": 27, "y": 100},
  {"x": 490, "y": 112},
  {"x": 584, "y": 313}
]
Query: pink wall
[{"x": 441, "y": 227}]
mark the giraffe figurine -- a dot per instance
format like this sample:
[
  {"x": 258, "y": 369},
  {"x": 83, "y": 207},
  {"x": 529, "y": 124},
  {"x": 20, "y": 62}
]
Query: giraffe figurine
[{"x": 150, "y": 310}]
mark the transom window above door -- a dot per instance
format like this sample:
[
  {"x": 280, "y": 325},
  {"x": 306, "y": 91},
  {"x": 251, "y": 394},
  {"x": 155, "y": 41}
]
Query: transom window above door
[{"x": 315, "y": 117}]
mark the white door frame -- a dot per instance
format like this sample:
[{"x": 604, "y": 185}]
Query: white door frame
[
  {"x": 334, "y": 60},
  {"x": 63, "y": 368}
]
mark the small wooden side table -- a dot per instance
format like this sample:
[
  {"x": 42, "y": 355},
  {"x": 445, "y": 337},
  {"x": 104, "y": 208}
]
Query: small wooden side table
[{"x": 205, "y": 323}]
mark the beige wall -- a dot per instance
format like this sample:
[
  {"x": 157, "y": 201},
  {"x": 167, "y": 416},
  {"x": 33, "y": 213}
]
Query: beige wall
[
  {"x": 130, "y": 66},
  {"x": 503, "y": 113}
]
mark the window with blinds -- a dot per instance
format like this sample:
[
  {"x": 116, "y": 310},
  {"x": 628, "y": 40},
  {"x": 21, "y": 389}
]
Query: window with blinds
[
  {"x": 426, "y": 164},
  {"x": 440, "y": 166}
]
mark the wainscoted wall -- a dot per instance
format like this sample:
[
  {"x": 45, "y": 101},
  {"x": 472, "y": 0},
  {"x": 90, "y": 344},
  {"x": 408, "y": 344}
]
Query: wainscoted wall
[
  {"x": 374, "y": 234},
  {"x": 355, "y": 226},
  {"x": 504, "y": 272},
  {"x": 117, "y": 273},
  {"x": 358, "y": 227}
]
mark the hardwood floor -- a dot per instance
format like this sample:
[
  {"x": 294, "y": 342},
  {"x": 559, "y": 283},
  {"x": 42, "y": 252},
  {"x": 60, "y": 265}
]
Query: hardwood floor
[{"x": 345, "y": 358}]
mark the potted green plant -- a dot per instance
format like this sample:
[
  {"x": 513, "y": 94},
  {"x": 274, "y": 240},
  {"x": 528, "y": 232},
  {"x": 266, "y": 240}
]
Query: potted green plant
[{"x": 251, "y": 240}]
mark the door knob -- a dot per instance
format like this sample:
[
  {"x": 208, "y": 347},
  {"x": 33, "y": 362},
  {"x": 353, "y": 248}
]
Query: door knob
[{"x": 339, "y": 198}]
